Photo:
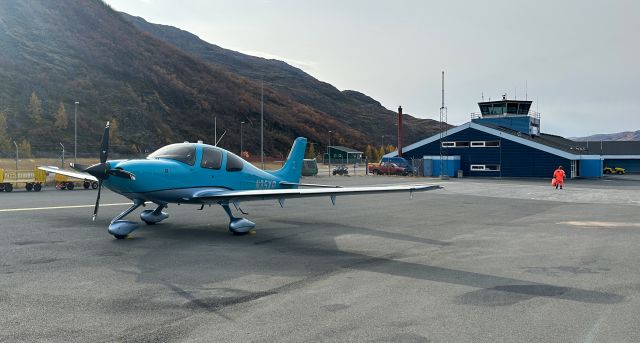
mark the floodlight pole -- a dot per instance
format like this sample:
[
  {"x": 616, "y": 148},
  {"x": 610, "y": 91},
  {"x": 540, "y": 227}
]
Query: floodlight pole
[
  {"x": 62, "y": 157},
  {"x": 14, "y": 143},
  {"x": 75, "y": 132},
  {"x": 262, "y": 123},
  {"x": 329, "y": 152}
]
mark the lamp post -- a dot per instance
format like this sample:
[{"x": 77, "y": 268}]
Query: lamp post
[
  {"x": 75, "y": 132},
  {"x": 62, "y": 157},
  {"x": 329, "y": 152},
  {"x": 262, "y": 123},
  {"x": 241, "y": 123},
  {"x": 382, "y": 141},
  {"x": 16, "y": 144}
]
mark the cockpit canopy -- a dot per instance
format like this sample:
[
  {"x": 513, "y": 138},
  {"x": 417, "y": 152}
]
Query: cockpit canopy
[{"x": 182, "y": 152}]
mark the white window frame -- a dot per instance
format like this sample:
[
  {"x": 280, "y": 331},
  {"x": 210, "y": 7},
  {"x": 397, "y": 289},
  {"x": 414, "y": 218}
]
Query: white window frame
[
  {"x": 483, "y": 167},
  {"x": 454, "y": 144},
  {"x": 448, "y": 144}
]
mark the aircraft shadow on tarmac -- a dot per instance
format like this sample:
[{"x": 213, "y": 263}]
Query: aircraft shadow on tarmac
[{"x": 291, "y": 254}]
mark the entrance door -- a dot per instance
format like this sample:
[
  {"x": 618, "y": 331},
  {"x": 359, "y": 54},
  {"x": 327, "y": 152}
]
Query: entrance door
[{"x": 575, "y": 165}]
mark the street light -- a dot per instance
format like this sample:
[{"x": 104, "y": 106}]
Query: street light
[
  {"x": 75, "y": 133},
  {"x": 383, "y": 141},
  {"x": 262, "y": 123},
  {"x": 241, "y": 123},
  {"x": 329, "y": 152},
  {"x": 16, "y": 144}
]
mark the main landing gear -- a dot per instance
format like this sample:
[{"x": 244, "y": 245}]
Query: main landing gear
[
  {"x": 122, "y": 228},
  {"x": 238, "y": 226}
]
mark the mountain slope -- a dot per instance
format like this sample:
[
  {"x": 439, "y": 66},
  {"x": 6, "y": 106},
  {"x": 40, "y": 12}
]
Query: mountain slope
[
  {"x": 349, "y": 107},
  {"x": 81, "y": 50},
  {"x": 620, "y": 136}
]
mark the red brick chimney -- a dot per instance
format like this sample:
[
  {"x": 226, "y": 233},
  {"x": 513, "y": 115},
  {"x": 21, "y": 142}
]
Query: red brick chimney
[{"x": 399, "y": 131}]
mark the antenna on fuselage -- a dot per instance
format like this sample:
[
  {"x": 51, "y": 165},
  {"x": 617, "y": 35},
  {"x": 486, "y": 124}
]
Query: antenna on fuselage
[{"x": 225, "y": 131}]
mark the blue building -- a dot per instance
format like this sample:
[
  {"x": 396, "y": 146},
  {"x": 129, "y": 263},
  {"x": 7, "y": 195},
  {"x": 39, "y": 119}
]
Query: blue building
[{"x": 504, "y": 140}]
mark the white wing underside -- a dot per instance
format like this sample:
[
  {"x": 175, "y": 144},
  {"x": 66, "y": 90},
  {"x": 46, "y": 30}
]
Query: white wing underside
[
  {"x": 70, "y": 173},
  {"x": 214, "y": 196}
]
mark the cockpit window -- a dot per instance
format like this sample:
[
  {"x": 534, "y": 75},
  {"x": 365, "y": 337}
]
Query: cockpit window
[
  {"x": 211, "y": 158},
  {"x": 183, "y": 152},
  {"x": 234, "y": 163}
]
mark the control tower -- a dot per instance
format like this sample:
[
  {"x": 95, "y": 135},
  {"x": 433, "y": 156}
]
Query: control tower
[{"x": 512, "y": 114}]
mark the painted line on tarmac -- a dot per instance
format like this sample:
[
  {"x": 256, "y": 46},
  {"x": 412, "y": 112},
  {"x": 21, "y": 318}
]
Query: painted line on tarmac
[{"x": 60, "y": 207}]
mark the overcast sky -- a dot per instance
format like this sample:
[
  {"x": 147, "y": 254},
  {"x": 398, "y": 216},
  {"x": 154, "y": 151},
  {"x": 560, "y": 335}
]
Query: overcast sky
[{"x": 580, "y": 59}]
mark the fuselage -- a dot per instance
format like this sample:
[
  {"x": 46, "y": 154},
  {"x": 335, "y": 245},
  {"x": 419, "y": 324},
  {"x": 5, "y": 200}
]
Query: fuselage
[{"x": 173, "y": 174}]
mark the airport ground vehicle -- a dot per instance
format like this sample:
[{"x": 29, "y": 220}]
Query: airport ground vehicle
[
  {"x": 340, "y": 170},
  {"x": 65, "y": 182},
  {"x": 32, "y": 179},
  {"x": 614, "y": 170}
]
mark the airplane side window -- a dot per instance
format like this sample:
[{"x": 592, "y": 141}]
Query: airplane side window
[
  {"x": 234, "y": 163},
  {"x": 211, "y": 158}
]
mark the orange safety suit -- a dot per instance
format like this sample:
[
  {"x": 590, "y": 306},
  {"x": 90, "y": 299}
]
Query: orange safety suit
[{"x": 559, "y": 176}]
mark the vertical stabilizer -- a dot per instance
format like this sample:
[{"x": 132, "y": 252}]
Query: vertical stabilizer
[{"x": 292, "y": 169}]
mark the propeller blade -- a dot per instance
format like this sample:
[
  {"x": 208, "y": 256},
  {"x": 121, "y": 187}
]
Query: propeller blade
[
  {"x": 122, "y": 173},
  {"x": 104, "y": 144},
  {"x": 95, "y": 209}
]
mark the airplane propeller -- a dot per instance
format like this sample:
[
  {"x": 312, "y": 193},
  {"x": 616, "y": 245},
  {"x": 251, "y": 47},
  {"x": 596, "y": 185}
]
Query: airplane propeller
[{"x": 103, "y": 170}]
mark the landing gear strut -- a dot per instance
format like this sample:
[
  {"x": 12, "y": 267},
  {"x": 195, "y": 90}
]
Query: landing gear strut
[
  {"x": 238, "y": 226},
  {"x": 122, "y": 228}
]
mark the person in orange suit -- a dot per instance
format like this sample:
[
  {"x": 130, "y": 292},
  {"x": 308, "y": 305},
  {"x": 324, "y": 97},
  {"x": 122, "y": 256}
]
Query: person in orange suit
[{"x": 559, "y": 176}]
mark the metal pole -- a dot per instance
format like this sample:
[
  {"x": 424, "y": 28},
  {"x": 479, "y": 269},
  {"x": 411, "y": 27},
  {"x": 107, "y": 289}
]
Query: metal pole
[
  {"x": 62, "y": 157},
  {"x": 75, "y": 133},
  {"x": 241, "y": 138},
  {"x": 215, "y": 130},
  {"x": 262, "y": 123},
  {"x": 329, "y": 152},
  {"x": 14, "y": 143}
]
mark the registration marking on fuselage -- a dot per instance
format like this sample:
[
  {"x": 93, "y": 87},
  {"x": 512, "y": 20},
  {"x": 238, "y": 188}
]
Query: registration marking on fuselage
[{"x": 59, "y": 207}]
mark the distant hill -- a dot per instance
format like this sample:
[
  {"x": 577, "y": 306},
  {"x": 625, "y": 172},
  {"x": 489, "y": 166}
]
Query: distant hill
[
  {"x": 160, "y": 89},
  {"x": 620, "y": 136},
  {"x": 350, "y": 107}
]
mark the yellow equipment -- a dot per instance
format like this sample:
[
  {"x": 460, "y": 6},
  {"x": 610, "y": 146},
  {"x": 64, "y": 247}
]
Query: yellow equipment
[{"x": 32, "y": 179}]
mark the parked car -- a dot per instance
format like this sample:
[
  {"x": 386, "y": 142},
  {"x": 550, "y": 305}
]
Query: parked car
[
  {"x": 614, "y": 170},
  {"x": 392, "y": 166}
]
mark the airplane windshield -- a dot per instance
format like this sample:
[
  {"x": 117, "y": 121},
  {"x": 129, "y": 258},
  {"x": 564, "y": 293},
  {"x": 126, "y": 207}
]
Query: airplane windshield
[{"x": 183, "y": 152}]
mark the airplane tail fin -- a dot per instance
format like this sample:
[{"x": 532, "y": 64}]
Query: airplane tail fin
[{"x": 292, "y": 169}]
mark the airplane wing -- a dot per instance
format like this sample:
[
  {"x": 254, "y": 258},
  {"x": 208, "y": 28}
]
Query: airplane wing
[
  {"x": 216, "y": 196},
  {"x": 70, "y": 173}
]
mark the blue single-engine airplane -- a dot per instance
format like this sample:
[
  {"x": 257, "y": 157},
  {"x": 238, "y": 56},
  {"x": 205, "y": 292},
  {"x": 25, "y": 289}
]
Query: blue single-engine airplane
[{"x": 201, "y": 174}]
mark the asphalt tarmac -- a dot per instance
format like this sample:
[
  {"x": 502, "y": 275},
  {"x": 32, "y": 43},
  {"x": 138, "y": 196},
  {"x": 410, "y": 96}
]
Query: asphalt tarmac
[{"x": 482, "y": 260}]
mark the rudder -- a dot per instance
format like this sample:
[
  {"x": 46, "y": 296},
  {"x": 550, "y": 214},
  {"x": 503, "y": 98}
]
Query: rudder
[{"x": 292, "y": 169}]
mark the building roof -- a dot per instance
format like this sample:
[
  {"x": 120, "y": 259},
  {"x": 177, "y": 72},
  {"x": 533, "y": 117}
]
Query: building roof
[
  {"x": 345, "y": 149},
  {"x": 553, "y": 144}
]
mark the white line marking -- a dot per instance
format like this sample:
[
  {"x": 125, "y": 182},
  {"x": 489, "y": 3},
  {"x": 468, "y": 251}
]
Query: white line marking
[
  {"x": 600, "y": 224},
  {"x": 59, "y": 207},
  {"x": 591, "y": 336}
]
